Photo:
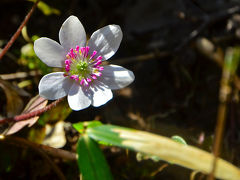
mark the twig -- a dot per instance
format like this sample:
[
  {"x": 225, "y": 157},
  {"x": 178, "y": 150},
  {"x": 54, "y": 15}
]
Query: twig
[
  {"x": 221, "y": 119},
  {"x": 17, "y": 33},
  {"x": 225, "y": 91},
  {"x": 40, "y": 151},
  {"x": 19, "y": 75},
  {"x": 209, "y": 50},
  {"x": 207, "y": 20},
  {"x": 31, "y": 114},
  {"x": 58, "y": 153},
  {"x": 142, "y": 57}
]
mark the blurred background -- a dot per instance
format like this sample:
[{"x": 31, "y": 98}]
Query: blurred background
[{"x": 175, "y": 49}]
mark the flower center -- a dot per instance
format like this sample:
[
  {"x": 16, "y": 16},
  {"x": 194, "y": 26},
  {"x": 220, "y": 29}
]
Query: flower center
[{"x": 81, "y": 66}]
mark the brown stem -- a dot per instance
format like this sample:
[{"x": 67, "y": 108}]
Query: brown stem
[
  {"x": 225, "y": 91},
  {"x": 31, "y": 114},
  {"x": 58, "y": 153},
  {"x": 221, "y": 119},
  {"x": 17, "y": 33}
]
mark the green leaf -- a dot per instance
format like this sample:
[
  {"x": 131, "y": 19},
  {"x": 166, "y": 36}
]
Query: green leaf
[
  {"x": 179, "y": 139},
  {"x": 91, "y": 160},
  {"x": 81, "y": 126},
  {"x": 231, "y": 59},
  {"x": 93, "y": 124},
  {"x": 46, "y": 9},
  {"x": 165, "y": 148}
]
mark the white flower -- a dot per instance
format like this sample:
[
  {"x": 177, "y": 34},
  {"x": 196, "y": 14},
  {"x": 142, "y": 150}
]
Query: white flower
[{"x": 84, "y": 80}]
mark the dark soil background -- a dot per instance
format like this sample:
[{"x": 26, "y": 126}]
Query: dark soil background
[{"x": 175, "y": 91}]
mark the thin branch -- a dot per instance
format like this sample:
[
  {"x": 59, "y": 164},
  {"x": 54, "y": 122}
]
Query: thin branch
[
  {"x": 210, "y": 52},
  {"x": 17, "y": 33},
  {"x": 143, "y": 57},
  {"x": 24, "y": 142},
  {"x": 225, "y": 91},
  {"x": 19, "y": 75},
  {"x": 31, "y": 114},
  {"x": 207, "y": 20},
  {"x": 54, "y": 152}
]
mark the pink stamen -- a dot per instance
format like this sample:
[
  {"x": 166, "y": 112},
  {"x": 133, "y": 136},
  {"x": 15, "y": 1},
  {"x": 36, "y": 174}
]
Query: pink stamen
[
  {"x": 82, "y": 49},
  {"x": 97, "y": 67},
  {"x": 97, "y": 63},
  {"x": 93, "y": 54},
  {"x": 89, "y": 80},
  {"x": 98, "y": 74},
  {"x": 72, "y": 53},
  {"x": 82, "y": 82},
  {"x": 77, "y": 48},
  {"x": 87, "y": 51},
  {"x": 86, "y": 83},
  {"x": 74, "y": 77},
  {"x": 99, "y": 58},
  {"x": 93, "y": 76},
  {"x": 67, "y": 68},
  {"x": 68, "y": 61},
  {"x": 75, "y": 56},
  {"x": 100, "y": 68}
]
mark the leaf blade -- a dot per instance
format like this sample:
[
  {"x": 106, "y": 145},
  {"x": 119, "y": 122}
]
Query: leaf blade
[
  {"x": 91, "y": 160},
  {"x": 165, "y": 148}
]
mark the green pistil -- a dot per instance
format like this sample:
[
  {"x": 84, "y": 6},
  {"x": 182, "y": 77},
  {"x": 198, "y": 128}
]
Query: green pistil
[{"x": 80, "y": 68}]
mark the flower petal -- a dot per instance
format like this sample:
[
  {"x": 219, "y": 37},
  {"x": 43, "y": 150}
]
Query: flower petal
[
  {"x": 54, "y": 86},
  {"x": 116, "y": 77},
  {"x": 106, "y": 41},
  {"x": 100, "y": 94},
  {"x": 50, "y": 52},
  {"x": 78, "y": 98},
  {"x": 72, "y": 33}
]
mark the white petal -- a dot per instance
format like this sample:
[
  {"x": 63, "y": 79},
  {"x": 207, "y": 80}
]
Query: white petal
[
  {"x": 116, "y": 77},
  {"x": 78, "y": 98},
  {"x": 50, "y": 52},
  {"x": 72, "y": 33},
  {"x": 100, "y": 94},
  {"x": 106, "y": 41},
  {"x": 54, "y": 86}
]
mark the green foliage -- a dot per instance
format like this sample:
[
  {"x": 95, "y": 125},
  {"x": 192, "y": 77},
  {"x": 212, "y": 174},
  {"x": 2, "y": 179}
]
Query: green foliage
[
  {"x": 81, "y": 126},
  {"x": 58, "y": 113},
  {"x": 91, "y": 161},
  {"x": 46, "y": 9},
  {"x": 165, "y": 148},
  {"x": 143, "y": 156},
  {"x": 179, "y": 139},
  {"x": 232, "y": 58},
  {"x": 29, "y": 58}
]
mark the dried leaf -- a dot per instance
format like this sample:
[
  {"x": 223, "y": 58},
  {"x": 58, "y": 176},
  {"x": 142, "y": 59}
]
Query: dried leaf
[
  {"x": 34, "y": 104},
  {"x": 55, "y": 135},
  {"x": 14, "y": 102}
]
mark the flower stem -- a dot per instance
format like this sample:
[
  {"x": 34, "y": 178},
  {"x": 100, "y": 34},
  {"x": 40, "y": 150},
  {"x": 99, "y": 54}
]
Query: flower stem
[
  {"x": 30, "y": 114},
  {"x": 17, "y": 33},
  {"x": 231, "y": 61}
]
